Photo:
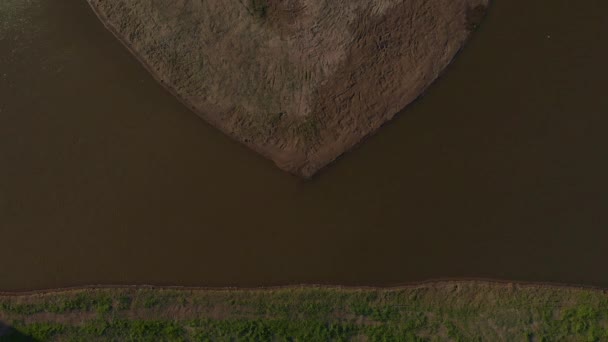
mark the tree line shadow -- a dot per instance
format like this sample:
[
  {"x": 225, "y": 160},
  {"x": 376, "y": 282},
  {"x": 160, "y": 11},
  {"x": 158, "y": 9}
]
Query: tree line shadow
[{"x": 8, "y": 333}]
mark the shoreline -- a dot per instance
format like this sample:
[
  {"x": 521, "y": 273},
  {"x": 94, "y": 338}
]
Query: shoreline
[
  {"x": 303, "y": 164},
  {"x": 434, "y": 310},
  {"x": 207, "y": 119},
  {"x": 432, "y": 283}
]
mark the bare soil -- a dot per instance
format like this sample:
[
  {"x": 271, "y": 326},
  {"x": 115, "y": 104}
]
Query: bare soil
[{"x": 299, "y": 81}]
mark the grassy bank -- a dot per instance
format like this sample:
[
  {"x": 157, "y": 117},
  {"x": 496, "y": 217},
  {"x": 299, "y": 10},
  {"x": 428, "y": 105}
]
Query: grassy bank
[{"x": 461, "y": 311}]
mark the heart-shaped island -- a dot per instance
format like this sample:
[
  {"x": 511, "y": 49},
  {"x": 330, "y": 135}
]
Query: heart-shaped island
[{"x": 299, "y": 81}]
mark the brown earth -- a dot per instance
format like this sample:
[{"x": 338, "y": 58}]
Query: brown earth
[{"x": 299, "y": 81}]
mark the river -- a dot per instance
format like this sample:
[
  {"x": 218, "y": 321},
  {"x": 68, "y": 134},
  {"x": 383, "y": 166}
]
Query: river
[{"x": 499, "y": 171}]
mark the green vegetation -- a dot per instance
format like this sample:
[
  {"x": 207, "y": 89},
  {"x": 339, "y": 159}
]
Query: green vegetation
[
  {"x": 459, "y": 311},
  {"x": 259, "y": 8}
]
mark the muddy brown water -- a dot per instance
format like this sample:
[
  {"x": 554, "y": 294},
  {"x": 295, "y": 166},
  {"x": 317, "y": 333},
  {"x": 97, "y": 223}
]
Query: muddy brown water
[{"x": 499, "y": 171}]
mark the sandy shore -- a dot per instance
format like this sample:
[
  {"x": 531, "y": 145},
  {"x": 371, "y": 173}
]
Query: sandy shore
[{"x": 298, "y": 81}]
